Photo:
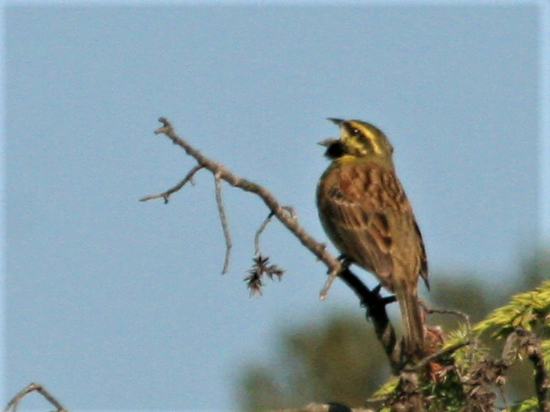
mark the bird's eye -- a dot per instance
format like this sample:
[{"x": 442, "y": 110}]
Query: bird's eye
[{"x": 354, "y": 131}]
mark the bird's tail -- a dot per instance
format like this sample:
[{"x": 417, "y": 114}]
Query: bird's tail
[{"x": 411, "y": 319}]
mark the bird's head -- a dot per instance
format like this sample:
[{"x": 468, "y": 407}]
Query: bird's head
[{"x": 358, "y": 139}]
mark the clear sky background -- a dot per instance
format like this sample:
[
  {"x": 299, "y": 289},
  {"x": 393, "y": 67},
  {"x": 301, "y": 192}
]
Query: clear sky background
[{"x": 116, "y": 304}]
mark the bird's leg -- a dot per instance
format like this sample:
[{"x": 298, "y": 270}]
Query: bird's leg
[
  {"x": 345, "y": 261},
  {"x": 374, "y": 302},
  {"x": 385, "y": 300}
]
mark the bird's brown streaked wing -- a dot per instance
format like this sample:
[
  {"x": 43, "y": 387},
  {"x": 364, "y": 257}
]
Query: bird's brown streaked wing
[
  {"x": 355, "y": 220},
  {"x": 358, "y": 240},
  {"x": 423, "y": 258}
]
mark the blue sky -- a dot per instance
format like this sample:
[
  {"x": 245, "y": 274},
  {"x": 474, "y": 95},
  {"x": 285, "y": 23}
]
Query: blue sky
[{"x": 116, "y": 304}]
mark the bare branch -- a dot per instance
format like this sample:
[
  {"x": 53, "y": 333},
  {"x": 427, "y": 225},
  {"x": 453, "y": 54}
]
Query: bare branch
[
  {"x": 376, "y": 310},
  {"x": 279, "y": 211},
  {"x": 526, "y": 340},
  {"x": 223, "y": 219},
  {"x": 166, "y": 195},
  {"x": 34, "y": 387},
  {"x": 542, "y": 378}
]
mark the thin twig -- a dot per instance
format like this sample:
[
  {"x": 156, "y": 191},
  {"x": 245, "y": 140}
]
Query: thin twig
[
  {"x": 328, "y": 283},
  {"x": 34, "y": 387},
  {"x": 473, "y": 342},
  {"x": 259, "y": 232},
  {"x": 223, "y": 219},
  {"x": 264, "y": 224},
  {"x": 458, "y": 313},
  {"x": 442, "y": 352},
  {"x": 166, "y": 195}
]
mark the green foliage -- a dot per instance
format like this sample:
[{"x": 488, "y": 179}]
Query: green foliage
[
  {"x": 470, "y": 375},
  {"x": 546, "y": 351},
  {"x": 340, "y": 360},
  {"x": 387, "y": 388},
  {"x": 528, "y": 405},
  {"x": 467, "y": 379},
  {"x": 527, "y": 310}
]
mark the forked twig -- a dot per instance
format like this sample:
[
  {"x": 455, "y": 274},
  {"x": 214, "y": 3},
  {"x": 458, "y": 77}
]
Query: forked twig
[
  {"x": 33, "y": 387},
  {"x": 166, "y": 195}
]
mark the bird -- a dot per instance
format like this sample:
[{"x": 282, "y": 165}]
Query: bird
[{"x": 366, "y": 214}]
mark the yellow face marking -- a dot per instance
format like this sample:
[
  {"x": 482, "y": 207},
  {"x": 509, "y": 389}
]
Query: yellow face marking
[{"x": 362, "y": 139}]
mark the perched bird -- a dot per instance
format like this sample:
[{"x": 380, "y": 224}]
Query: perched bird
[{"x": 365, "y": 212}]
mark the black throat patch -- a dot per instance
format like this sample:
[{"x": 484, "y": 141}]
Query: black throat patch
[{"x": 335, "y": 150}]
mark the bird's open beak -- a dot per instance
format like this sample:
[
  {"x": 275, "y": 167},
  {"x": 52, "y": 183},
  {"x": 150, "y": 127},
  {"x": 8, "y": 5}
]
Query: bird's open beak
[
  {"x": 331, "y": 140},
  {"x": 337, "y": 122},
  {"x": 328, "y": 142}
]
